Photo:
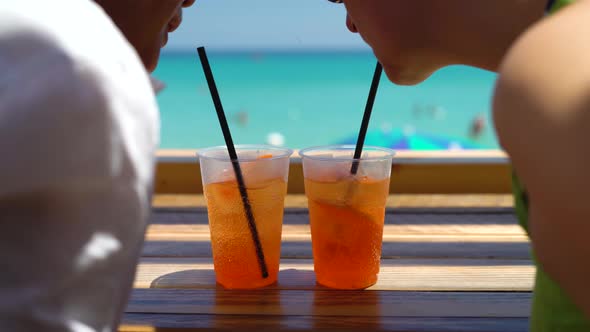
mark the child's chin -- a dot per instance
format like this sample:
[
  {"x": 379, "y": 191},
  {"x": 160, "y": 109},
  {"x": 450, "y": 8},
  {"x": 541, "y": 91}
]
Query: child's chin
[
  {"x": 150, "y": 60},
  {"x": 405, "y": 76}
]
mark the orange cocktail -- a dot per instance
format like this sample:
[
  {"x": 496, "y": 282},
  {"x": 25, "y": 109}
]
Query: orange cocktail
[
  {"x": 347, "y": 233},
  {"x": 234, "y": 254},
  {"x": 346, "y": 215},
  {"x": 235, "y": 258}
]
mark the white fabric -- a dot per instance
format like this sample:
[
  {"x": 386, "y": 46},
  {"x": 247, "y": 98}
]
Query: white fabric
[{"x": 78, "y": 131}]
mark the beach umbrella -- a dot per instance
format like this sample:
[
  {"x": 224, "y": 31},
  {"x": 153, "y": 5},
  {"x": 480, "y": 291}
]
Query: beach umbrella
[{"x": 410, "y": 140}]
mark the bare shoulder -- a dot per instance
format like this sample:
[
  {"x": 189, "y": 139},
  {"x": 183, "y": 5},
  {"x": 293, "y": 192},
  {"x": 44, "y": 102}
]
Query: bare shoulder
[
  {"x": 542, "y": 106},
  {"x": 544, "y": 81},
  {"x": 552, "y": 59},
  {"x": 542, "y": 117}
]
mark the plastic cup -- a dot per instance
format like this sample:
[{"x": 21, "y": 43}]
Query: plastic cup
[
  {"x": 265, "y": 171},
  {"x": 347, "y": 213}
]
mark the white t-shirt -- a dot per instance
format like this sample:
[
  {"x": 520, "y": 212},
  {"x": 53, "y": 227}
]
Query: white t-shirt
[{"x": 78, "y": 130}]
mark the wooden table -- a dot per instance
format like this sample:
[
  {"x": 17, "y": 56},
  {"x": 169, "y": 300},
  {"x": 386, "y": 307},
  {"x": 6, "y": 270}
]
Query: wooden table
[{"x": 450, "y": 263}]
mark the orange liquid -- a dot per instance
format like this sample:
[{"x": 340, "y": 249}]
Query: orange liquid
[
  {"x": 234, "y": 254},
  {"x": 346, "y": 220}
]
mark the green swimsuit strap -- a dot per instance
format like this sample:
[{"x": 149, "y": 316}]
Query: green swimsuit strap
[{"x": 555, "y": 5}]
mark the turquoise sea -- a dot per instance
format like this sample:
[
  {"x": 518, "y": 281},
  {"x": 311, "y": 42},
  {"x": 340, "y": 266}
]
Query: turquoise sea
[{"x": 307, "y": 99}]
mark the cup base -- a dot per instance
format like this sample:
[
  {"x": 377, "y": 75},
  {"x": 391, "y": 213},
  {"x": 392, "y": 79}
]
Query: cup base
[
  {"x": 250, "y": 285},
  {"x": 349, "y": 285}
]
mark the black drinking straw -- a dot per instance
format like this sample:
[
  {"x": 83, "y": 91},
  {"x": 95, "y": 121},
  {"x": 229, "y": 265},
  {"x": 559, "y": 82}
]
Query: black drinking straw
[
  {"x": 366, "y": 117},
  {"x": 234, "y": 159}
]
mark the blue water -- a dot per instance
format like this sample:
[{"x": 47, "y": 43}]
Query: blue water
[{"x": 314, "y": 99}]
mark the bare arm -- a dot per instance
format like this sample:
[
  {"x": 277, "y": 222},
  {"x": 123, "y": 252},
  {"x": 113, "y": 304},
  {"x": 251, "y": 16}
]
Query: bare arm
[{"x": 542, "y": 114}]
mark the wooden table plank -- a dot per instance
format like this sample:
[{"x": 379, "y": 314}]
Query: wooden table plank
[
  {"x": 492, "y": 247},
  {"x": 463, "y": 233},
  {"x": 293, "y": 230},
  {"x": 394, "y": 201},
  {"x": 369, "y": 303},
  {"x": 178, "y": 323},
  {"x": 401, "y": 216},
  {"x": 414, "y": 216},
  {"x": 395, "y": 274}
]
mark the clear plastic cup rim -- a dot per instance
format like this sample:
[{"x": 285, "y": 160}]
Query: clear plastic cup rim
[
  {"x": 276, "y": 151},
  {"x": 305, "y": 153}
]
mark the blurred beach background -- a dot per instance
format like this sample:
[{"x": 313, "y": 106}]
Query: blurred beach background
[{"x": 290, "y": 73}]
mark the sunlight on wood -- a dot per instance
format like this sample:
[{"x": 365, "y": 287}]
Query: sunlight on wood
[{"x": 137, "y": 328}]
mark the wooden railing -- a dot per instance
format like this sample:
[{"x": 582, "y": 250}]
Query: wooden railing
[{"x": 433, "y": 172}]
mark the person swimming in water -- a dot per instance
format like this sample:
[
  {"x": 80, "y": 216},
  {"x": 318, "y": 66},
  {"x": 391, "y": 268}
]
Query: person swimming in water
[{"x": 477, "y": 127}]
